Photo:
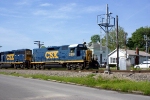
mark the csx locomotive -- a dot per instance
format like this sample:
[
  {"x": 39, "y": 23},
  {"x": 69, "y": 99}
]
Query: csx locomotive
[{"x": 69, "y": 56}]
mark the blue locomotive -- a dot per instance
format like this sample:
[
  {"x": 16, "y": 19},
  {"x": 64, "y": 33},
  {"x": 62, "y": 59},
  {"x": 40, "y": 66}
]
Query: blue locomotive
[
  {"x": 69, "y": 56},
  {"x": 16, "y": 58}
]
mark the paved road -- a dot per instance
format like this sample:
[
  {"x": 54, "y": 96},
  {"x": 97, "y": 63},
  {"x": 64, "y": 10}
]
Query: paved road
[{"x": 18, "y": 88}]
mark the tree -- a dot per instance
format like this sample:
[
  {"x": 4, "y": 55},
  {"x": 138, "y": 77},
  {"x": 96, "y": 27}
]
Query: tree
[
  {"x": 130, "y": 43},
  {"x": 43, "y": 46},
  {"x": 95, "y": 38},
  {"x": 137, "y": 39},
  {"x": 112, "y": 38}
]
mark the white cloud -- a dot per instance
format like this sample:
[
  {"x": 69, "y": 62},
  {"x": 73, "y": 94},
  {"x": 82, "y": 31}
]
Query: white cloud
[
  {"x": 68, "y": 7},
  {"x": 46, "y": 4},
  {"x": 41, "y": 12},
  {"x": 22, "y": 3},
  {"x": 91, "y": 9}
]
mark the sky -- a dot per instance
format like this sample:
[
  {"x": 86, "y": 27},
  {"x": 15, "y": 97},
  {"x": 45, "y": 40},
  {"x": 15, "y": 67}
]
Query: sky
[{"x": 64, "y": 22}]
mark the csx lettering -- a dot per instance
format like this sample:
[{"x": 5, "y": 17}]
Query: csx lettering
[
  {"x": 51, "y": 54},
  {"x": 10, "y": 57}
]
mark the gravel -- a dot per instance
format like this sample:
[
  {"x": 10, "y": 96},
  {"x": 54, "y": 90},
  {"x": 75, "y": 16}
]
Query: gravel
[{"x": 130, "y": 76}]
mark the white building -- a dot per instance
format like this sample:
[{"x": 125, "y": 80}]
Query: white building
[
  {"x": 97, "y": 49},
  {"x": 133, "y": 56}
]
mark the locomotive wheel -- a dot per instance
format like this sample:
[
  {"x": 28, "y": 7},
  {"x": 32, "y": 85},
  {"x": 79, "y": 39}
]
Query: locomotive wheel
[
  {"x": 74, "y": 67},
  {"x": 42, "y": 67},
  {"x": 69, "y": 67},
  {"x": 38, "y": 66},
  {"x": 81, "y": 67},
  {"x": 34, "y": 67},
  {"x": 15, "y": 66},
  {"x": 21, "y": 66}
]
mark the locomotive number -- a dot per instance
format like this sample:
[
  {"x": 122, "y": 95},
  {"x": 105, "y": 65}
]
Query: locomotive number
[
  {"x": 10, "y": 57},
  {"x": 51, "y": 54}
]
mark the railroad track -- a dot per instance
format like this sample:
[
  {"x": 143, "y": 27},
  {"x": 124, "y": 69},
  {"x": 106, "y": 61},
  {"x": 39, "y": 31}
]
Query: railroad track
[{"x": 91, "y": 70}]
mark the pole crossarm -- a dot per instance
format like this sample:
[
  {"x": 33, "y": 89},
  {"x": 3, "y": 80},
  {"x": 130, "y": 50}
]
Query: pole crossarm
[{"x": 39, "y": 43}]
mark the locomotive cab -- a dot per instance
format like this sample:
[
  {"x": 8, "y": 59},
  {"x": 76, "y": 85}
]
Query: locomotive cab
[{"x": 81, "y": 57}]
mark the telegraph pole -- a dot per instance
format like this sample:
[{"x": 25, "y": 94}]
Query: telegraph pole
[
  {"x": 146, "y": 39},
  {"x": 0, "y": 46},
  {"x": 38, "y": 43},
  {"x": 105, "y": 24},
  {"x": 117, "y": 44}
]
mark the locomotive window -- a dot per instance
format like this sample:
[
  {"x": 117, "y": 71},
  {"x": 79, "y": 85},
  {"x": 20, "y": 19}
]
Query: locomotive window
[
  {"x": 64, "y": 47},
  {"x": 72, "y": 50},
  {"x": 80, "y": 45},
  {"x": 83, "y": 48}
]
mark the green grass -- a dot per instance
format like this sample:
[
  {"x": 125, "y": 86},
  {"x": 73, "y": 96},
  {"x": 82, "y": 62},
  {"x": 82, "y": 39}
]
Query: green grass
[{"x": 99, "y": 82}]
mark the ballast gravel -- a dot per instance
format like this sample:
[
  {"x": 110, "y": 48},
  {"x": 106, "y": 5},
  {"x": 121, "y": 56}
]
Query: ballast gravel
[{"x": 121, "y": 75}]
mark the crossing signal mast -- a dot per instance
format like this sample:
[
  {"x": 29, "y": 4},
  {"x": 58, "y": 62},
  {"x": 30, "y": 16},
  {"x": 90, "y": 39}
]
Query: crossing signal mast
[
  {"x": 39, "y": 43},
  {"x": 106, "y": 22}
]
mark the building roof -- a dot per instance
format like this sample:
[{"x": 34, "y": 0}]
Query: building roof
[
  {"x": 131, "y": 52},
  {"x": 73, "y": 45}
]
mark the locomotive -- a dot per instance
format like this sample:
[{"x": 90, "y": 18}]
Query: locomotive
[{"x": 68, "y": 56}]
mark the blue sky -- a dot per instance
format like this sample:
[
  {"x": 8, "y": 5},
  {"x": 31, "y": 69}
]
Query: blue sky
[{"x": 61, "y": 22}]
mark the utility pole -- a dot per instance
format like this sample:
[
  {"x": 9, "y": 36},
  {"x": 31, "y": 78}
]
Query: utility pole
[
  {"x": 38, "y": 43},
  {"x": 0, "y": 46},
  {"x": 117, "y": 44},
  {"x": 125, "y": 42},
  {"x": 105, "y": 24},
  {"x": 147, "y": 40}
]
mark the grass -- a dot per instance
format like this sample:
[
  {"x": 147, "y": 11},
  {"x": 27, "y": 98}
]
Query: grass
[{"x": 99, "y": 82}]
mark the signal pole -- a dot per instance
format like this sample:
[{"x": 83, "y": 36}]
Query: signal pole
[
  {"x": 39, "y": 43},
  {"x": 105, "y": 24},
  {"x": 147, "y": 40},
  {"x": 0, "y": 46},
  {"x": 117, "y": 44}
]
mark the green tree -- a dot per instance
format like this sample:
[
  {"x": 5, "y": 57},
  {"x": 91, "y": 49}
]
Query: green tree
[
  {"x": 130, "y": 43},
  {"x": 95, "y": 38},
  {"x": 43, "y": 46},
  {"x": 137, "y": 39},
  {"x": 112, "y": 38}
]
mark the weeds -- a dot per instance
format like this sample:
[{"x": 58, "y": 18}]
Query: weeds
[{"x": 111, "y": 84}]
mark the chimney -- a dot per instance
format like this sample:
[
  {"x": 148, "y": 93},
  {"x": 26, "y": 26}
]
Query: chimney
[
  {"x": 137, "y": 56},
  {"x": 137, "y": 51}
]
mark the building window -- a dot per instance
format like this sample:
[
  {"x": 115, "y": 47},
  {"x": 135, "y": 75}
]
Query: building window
[{"x": 113, "y": 60}]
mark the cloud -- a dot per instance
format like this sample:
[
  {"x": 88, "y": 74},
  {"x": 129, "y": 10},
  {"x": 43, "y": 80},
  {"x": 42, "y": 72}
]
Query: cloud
[
  {"x": 41, "y": 12},
  {"x": 57, "y": 12},
  {"x": 46, "y": 4},
  {"x": 22, "y": 3},
  {"x": 68, "y": 7},
  {"x": 91, "y": 9}
]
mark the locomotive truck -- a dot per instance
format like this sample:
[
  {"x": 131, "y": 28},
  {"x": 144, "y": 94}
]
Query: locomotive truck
[{"x": 68, "y": 56}]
